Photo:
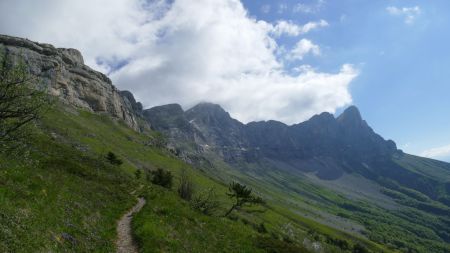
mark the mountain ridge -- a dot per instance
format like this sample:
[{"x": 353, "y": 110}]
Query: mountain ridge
[
  {"x": 325, "y": 145},
  {"x": 213, "y": 116}
]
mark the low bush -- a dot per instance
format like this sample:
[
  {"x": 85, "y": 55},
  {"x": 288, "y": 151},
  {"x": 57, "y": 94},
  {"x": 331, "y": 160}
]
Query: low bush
[
  {"x": 359, "y": 248},
  {"x": 113, "y": 159},
  {"x": 161, "y": 177},
  {"x": 261, "y": 228},
  {"x": 272, "y": 245},
  {"x": 205, "y": 202},
  {"x": 138, "y": 174},
  {"x": 186, "y": 188}
]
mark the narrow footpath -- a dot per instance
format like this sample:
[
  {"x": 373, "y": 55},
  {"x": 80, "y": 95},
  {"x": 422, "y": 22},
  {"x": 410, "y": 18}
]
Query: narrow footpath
[{"x": 125, "y": 242}]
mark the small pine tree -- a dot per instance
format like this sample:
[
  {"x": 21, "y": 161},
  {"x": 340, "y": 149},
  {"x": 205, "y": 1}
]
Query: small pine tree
[
  {"x": 241, "y": 195},
  {"x": 113, "y": 159}
]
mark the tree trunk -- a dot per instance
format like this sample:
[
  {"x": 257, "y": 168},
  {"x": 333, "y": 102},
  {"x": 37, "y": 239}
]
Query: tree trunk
[{"x": 229, "y": 211}]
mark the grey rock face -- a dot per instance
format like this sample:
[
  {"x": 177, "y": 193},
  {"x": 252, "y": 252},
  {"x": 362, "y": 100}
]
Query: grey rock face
[
  {"x": 183, "y": 139},
  {"x": 131, "y": 101},
  {"x": 216, "y": 125},
  {"x": 222, "y": 134},
  {"x": 324, "y": 144},
  {"x": 170, "y": 119},
  {"x": 64, "y": 75}
]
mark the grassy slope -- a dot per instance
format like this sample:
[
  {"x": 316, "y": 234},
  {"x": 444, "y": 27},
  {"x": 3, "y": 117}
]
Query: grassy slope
[
  {"x": 291, "y": 201},
  {"x": 144, "y": 157},
  {"x": 65, "y": 197},
  {"x": 428, "y": 167},
  {"x": 419, "y": 224},
  {"x": 168, "y": 224},
  {"x": 59, "y": 199}
]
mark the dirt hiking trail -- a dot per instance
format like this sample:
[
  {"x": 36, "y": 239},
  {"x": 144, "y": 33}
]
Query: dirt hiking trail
[{"x": 125, "y": 243}]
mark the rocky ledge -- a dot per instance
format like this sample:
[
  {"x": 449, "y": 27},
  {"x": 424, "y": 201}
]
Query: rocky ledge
[{"x": 64, "y": 74}]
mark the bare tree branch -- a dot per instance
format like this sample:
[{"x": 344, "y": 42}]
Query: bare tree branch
[{"x": 21, "y": 102}]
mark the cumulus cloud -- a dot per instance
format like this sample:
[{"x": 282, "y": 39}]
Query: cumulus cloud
[
  {"x": 291, "y": 29},
  {"x": 437, "y": 153},
  {"x": 103, "y": 30},
  {"x": 408, "y": 13},
  {"x": 302, "y": 48},
  {"x": 164, "y": 54}
]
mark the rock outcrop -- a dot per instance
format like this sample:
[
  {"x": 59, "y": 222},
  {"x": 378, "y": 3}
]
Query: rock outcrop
[
  {"x": 63, "y": 74},
  {"x": 171, "y": 120}
]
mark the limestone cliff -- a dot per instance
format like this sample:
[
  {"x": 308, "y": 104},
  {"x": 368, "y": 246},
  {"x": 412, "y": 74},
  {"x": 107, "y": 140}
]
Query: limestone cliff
[{"x": 65, "y": 75}]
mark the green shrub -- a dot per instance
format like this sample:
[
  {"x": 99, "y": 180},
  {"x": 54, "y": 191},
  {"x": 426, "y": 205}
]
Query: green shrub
[
  {"x": 359, "y": 248},
  {"x": 185, "y": 189},
  {"x": 138, "y": 174},
  {"x": 113, "y": 159},
  {"x": 162, "y": 177},
  {"x": 272, "y": 245},
  {"x": 342, "y": 244},
  {"x": 261, "y": 228},
  {"x": 205, "y": 202}
]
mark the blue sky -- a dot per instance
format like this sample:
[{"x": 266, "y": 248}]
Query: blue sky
[
  {"x": 284, "y": 60},
  {"x": 403, "y": 86}
]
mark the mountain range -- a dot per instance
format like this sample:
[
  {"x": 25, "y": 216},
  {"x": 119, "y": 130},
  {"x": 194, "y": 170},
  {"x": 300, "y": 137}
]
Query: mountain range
[
  {"x": 336, "y": 171},
  {"x": 326, "y": 146}
]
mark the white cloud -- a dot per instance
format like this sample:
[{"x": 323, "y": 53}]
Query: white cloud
[
  {"x": 292, "y": 29},
  {"x": 220, "y": 54},
  {"x": 309, "y": 8},
  {"x": 437, "y": 153},
  {"x": 314, "y": 25},
  {"x": 409, "y": 13},
  {"x": 102, "y": 28},
  {"x": 302, "y": 48}
]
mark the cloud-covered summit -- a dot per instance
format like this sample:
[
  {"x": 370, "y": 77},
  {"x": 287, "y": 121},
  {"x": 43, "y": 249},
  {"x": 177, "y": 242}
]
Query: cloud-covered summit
[{"x": 188, "y": 51}]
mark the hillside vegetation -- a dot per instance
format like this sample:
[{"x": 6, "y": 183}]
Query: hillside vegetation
[
  {"x": 334, "y": 170},
  {"x": 59, "y": 193}
]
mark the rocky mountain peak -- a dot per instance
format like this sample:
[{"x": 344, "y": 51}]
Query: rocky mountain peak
[
  {"x": 212, "y": 115},
  {"x": 351, "y": 117},
  {"x": 166, "y": 110},
  {"x": 208, "y": 110},
  {"x": 165, "y": 117},
  {"x": 325, "y": 118}
]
